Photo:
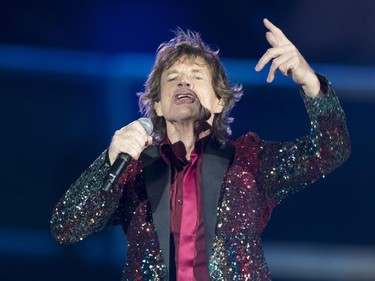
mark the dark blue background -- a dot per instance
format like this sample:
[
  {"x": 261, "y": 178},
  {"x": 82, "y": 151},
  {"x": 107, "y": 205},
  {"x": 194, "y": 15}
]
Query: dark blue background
[{"x": 69, "y": 72}]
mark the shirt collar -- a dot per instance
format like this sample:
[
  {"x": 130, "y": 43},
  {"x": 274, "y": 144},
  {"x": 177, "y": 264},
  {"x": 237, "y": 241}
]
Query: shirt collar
[{"x": 175, "y": 153}]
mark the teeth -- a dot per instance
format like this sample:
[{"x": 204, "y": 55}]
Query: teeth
[{"x": 183, "y": 96}]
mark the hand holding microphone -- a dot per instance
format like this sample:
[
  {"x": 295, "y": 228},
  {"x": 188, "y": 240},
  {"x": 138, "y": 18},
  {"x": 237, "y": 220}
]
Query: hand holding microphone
[{"x": 127, "y": 143}]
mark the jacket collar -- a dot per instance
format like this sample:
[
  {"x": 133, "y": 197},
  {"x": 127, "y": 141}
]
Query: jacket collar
[{"x": 216, "y": 160}]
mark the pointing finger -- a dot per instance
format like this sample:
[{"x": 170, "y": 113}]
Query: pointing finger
[{"x": 279, "y": 36}]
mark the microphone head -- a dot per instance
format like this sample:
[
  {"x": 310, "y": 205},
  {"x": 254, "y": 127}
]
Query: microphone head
[{"x": 146, "y": 124}]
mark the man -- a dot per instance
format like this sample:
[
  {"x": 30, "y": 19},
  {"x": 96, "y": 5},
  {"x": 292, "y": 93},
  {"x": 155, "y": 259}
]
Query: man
[{"x": 192, "y": 203}]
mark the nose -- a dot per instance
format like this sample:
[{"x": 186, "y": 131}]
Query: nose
[{"x": 184, "y": 83}]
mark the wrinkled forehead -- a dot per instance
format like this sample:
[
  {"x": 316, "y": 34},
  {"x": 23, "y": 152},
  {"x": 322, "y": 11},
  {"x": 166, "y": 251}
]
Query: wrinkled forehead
[{"x": 193, "y": 61}]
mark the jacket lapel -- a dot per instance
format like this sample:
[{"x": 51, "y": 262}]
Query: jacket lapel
[
  {"x": 157, "y": 182},
  {"x": 216, "y": 159}
]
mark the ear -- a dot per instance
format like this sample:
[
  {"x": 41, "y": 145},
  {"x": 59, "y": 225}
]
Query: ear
[
  {"x": 157, "y": 107},
  {"x": 219, "y": 106}
]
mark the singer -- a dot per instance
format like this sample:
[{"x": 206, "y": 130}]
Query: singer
[{"x": 192, "y": 202}]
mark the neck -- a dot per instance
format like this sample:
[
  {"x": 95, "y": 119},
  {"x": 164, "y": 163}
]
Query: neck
[{"x": 187, "y": 133}]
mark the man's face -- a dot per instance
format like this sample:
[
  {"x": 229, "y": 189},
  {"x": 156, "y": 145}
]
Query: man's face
[{"x": 186, "y": 87}]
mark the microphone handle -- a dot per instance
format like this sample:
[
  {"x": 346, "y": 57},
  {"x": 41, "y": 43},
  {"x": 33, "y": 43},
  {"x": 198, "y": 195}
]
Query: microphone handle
[{"x": 122, "y": 161}]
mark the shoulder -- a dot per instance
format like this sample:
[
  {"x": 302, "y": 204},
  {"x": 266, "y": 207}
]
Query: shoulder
[
  {"x": 248, "y": 148},
  {"x": 248, "y": 140}
]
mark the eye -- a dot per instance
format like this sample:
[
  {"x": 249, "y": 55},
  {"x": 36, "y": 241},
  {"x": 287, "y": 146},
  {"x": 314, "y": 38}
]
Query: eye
[
  {"x": 171, "y": 78},
  {"x": 198, "y": 78}
]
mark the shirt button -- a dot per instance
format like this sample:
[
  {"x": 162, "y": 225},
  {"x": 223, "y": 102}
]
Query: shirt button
[{"x": 179, "y": 202}]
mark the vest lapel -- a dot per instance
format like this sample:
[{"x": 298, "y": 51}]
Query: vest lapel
[
  {"x": 156, "y": 177},
  {"x": 216, "y": 159}
]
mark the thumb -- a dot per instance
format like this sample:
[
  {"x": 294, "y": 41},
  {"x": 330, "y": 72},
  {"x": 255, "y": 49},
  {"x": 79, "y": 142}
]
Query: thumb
[{"x": 149, "y": 141}]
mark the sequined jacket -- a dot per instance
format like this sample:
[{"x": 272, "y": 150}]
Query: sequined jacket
[{"x": 242, "y": 182}]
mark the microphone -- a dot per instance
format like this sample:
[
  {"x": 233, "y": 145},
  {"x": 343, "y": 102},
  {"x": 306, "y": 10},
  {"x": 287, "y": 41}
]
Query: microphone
[{"x": 123, "y": 159}]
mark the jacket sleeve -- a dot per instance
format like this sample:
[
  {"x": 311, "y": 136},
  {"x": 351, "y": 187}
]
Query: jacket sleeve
[
  {"x": 85, "y": 208},
  {"x": 287, "y": 167}
]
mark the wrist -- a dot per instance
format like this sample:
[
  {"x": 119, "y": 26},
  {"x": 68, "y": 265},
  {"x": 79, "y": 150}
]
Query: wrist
[{"x": 312, "y": 87}]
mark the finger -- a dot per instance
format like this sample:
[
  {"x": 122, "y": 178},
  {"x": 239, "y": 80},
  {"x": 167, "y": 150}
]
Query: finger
[
  {"x": 285, "y": 64},
  {"x": 133, "y": 150},
  {"x": 282, "y": 63},
  {"x": 134, "y": 129},
  {"x": 132, "y": 145},
  {"x": 134, "y": 126},
  {"x": 271, "y": 39},
  {"x": 149, "y": 141},
  {"x": 275, "y": 66},
  {"x": 288, "y": 66},
  {"x": 127, "y": 138},
  {"x": 270, "y": 54},
  {"x": 278, "y": 34}
]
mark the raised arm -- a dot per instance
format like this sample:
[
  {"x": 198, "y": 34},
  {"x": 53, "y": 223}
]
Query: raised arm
[{"x": 287, "y": 167}]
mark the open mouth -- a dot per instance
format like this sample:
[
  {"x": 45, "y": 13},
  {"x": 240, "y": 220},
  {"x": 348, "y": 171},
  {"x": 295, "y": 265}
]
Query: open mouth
[{"x": 181, "y": 98}]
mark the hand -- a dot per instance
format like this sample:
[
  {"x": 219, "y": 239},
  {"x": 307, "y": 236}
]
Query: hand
[
  {"x": 131, "y": 139},
  {"x": 288, "y": 60}
]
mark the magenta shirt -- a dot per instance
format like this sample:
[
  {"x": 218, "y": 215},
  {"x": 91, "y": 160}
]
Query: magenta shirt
[{"x": 186, "y": 214}]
